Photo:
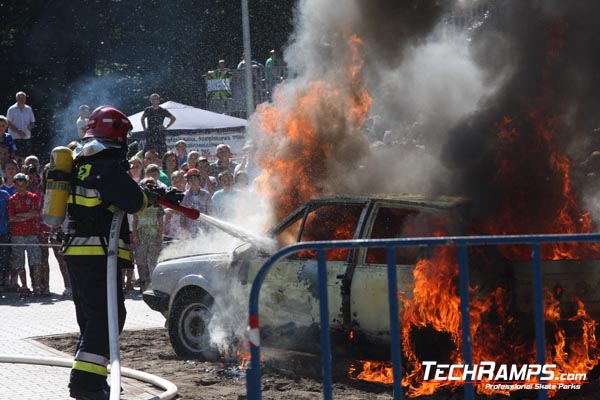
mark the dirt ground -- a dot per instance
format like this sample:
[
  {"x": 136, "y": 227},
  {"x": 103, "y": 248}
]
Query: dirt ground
[{"x": 286, "y": 374}]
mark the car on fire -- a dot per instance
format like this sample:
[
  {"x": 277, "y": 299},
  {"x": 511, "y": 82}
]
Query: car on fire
[{"x": 189, "y": 290}]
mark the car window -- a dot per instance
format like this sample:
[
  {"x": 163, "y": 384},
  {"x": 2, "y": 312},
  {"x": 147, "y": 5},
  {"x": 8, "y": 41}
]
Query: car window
[
  {"x": 289, "y": 235},
  {"x": 392, "y": 223},
  {"x": 331, "y": 222}
]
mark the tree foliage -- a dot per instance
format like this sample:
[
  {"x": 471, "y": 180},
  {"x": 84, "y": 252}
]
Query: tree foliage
[{"x": 66, "y": 53}]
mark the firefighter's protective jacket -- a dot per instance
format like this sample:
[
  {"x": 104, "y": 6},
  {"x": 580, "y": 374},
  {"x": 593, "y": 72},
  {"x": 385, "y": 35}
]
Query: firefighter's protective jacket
[{"x": 100, "y": 186}]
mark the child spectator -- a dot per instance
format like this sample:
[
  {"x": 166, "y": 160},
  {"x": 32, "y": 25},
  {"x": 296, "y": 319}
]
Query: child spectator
[
  {"x": 35, "y": 181},
  {"x": 23, "y": 214},
  {"x": 210, "y": 182},
  {"x": 6, "y": 140},
  {"x": 4, "y": 240},
  {"x": 181, "y": 150},
  {"x": 146, "y": 235},
  {"x": 178, "y": 180},
  {"x": 151, "y": 157},
  {"x": 197, "y": 198},
  {"x": 169, "y": 165},
  {"x": 10, "y": 170},
  {"x": 136, "y": 169},
  {"x": 224, "y": 162},
  {"x": 192, "y": 159},
  {"x": 173, "y": 218},
  {"x": 154, "y": 172},
  {"x": 224, "y": 199},
  {"x": 30, "y": 160}
]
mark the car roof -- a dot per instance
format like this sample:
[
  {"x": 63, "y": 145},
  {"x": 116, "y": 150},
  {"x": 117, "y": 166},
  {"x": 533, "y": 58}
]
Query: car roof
[
  {"x": 452, "y": 204},
  {"x": 441, "y": 202}
]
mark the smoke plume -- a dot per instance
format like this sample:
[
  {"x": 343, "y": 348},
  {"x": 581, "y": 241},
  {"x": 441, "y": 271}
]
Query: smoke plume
[
  {"x": 420, "y": 79},
  {"x": 443, "y": 78},
  {"x": 548, "y": 107}
]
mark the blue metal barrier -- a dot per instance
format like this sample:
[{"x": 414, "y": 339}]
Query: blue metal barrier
[{"x": 253, "y": 385}]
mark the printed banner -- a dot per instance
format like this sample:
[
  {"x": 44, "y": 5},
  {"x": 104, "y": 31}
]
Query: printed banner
[{"x": 206, "y": 143}]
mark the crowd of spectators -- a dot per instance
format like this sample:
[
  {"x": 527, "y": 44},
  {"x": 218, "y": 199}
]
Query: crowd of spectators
[{"x": 214, "y": 188}]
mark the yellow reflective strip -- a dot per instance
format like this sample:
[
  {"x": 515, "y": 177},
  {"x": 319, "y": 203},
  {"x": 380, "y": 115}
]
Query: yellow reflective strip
[
  {"x": 89, "y": 367},
  {"x": 84, "y": 251},
  {"x": 113, "y": 209},
  {"x": 84, "y": 201},
  {"x": 125, "y": 254},
  {"x": 94, "y": 251}
]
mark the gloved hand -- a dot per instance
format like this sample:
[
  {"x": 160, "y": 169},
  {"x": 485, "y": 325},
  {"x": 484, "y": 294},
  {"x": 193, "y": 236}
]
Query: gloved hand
[
  {"x": 151, "y": 195},
  {"x": 173, "y": 195}
]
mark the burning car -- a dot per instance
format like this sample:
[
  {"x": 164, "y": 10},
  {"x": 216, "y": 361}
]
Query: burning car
[
  {"x": 186, "y": 289},
  {"x": 189, "y": 291}
]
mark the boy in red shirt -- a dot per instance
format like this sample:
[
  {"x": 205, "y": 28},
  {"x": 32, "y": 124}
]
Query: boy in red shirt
[{"x": 23, "y": 215}]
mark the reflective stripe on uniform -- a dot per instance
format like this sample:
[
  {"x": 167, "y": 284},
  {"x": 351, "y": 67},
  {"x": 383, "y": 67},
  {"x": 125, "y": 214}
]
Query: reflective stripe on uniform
[
  {"x": 85, "y": 197},
  {"x": 94, "y": 241},
  {"x": 86, "y": 192},
  {"x": 91, "y": 357},
  {"x": 90, "y": 362},
  {"x": 94, "y": 251},
  {"x": 90, "y": 367},
  {"x": 84, "y": 201}
]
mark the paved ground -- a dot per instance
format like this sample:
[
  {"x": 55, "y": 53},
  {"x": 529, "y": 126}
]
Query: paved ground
[{"x": 23, "y": 320}]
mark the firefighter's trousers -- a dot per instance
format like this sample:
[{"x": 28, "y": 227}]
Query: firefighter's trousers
[{"x": 88, "y": 283}]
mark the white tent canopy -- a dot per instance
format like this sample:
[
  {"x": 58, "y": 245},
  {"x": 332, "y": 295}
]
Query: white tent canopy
[
  {"x": 202, "y": 130},
  {"x": 191, "y": 118}
]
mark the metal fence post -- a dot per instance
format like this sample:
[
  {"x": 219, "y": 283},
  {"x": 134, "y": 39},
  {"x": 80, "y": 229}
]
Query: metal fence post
[
  {"x": 465, "y": 317},
  {"x": 538, "y": 312},
  {"x": 394, "y": 321},
  {"x": 324, "y": 315}
]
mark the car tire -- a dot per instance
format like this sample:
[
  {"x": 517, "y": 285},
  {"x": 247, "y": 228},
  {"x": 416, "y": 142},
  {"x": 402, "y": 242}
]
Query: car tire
[{"x": 188, "y": 325}]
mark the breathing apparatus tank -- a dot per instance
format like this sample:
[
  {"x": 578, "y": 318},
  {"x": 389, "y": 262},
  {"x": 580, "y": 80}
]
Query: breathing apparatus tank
[{"x": 57, "y": 186}]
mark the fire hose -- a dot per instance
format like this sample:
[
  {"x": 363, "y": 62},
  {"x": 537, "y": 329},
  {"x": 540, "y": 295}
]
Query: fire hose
[
  {"x": 111, "y": 288},
  {"x": 113, "y": 311},
  {"x": 170, "y": 200},
  {"x": 236, "y": 231},
  {"x": 113, "y": 330}
]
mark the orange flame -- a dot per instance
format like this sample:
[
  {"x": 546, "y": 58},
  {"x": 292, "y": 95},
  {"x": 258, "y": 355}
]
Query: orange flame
[
  {"x": 435, "y": 308},
  {"x": 244, "y": 356},
  {"x": 302, "y": 130},
  {"x": 372, "y": 371}
]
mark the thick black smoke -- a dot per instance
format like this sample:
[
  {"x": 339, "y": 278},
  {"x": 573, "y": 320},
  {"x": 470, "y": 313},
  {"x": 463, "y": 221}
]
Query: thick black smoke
[{"x": 552, "y": 50}]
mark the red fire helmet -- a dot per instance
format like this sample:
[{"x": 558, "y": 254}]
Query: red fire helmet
[{"x": 106, "y": 122}]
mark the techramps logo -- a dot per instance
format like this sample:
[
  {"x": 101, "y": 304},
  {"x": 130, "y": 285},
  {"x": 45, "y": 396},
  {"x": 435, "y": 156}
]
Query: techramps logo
[{"x": 504, "y": 376}]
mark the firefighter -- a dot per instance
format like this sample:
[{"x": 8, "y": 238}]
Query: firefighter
[{"x": 100, "y": 184}]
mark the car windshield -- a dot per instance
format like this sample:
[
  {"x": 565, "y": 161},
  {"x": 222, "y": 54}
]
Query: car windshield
[{"x": 331, "y": 221}]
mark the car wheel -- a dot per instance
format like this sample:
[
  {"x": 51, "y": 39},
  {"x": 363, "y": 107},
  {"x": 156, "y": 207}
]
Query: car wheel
[{"x": 188, "y": 325}]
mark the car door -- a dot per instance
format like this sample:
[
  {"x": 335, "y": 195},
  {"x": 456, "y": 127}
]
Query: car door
[
  {"x": 290, "y": 290},
  {"x": 369, "y": 287}
]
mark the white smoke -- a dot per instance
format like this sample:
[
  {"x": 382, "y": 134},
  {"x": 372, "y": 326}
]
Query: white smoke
[{"x": 422, "y": 77}]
